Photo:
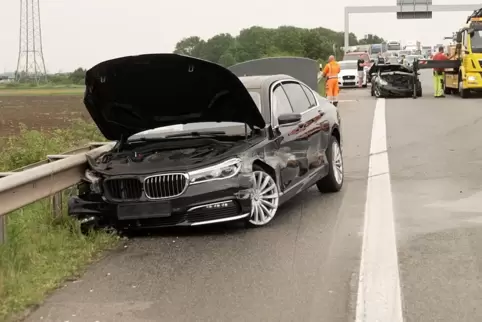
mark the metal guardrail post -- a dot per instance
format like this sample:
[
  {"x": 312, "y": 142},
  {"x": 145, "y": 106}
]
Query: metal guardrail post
[
  {"x": 56, "y": 200},
  {"x": 3, "y": 229},
  {"x": 3, "y": 219}
]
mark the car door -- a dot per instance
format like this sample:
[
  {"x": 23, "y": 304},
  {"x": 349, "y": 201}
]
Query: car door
[
  {"x": 299, "y": 137},
  {"x": 319, "y": 131},
  {"x": 285, "y": 136}
]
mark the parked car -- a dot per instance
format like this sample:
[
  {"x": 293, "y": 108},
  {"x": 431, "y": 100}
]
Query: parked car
[
  {"x": 357, "y": 55},
  {"x": 198, "y": 145},
  {"x": 348, "y": 76},
  {"x": 393, "y": 80},
  {"x": 410, "y": 59}
]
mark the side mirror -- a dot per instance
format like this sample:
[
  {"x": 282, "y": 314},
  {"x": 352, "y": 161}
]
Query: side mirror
[{"x": 289, "y": 118}]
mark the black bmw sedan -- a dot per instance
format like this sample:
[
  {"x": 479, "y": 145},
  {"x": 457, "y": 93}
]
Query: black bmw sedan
[{"x": 196, "y": 145}]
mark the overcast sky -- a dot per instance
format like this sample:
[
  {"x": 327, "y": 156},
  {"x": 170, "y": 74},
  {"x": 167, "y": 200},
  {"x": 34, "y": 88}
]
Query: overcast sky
[{"x": 81, "y": 33}]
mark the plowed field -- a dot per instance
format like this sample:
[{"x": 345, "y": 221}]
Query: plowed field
[{"x": 39, "y": 112}]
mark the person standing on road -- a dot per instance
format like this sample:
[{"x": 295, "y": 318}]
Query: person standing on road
[
  {"x": 439, "y": 74},
  {"x": 331, "y": 71},
  {"x": 360, "y": 67}
]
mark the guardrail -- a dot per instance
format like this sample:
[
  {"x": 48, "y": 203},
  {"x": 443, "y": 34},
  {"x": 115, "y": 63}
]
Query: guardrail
[{"x": 49, "y": 177}]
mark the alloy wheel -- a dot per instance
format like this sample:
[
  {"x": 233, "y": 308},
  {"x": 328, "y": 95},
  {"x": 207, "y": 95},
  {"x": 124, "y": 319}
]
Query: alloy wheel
[
  {"x": 337, "y": 162},
  {"x": 264, "y": 199}
]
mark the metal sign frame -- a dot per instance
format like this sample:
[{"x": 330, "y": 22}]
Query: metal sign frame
[{"x": 396, "y": 8}]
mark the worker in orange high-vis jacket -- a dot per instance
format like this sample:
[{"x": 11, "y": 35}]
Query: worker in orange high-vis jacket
[{"x": 330, "y": 72}]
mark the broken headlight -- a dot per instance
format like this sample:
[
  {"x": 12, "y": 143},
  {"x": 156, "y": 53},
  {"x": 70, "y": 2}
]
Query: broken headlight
[
  {"x": 94, "y": 180},
  {"x": 224, "y": 170},
  {"x": 382, "y": 82}
]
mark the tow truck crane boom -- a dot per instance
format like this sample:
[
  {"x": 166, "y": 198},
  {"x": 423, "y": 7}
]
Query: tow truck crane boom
[{"x": 463, "y": 72}]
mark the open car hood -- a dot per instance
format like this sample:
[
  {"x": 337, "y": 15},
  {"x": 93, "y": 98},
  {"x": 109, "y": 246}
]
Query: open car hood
[
  {"x": 131, "y": 94},
  {"x": 383, "y": 68}
]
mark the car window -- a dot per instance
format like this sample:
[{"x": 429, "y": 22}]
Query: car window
[
  {"x": 281, "y": 104},
  {"x": 297, "y": 97},
  {"x": 310, "y": 95},
  {"x": 256, "y": 98}
]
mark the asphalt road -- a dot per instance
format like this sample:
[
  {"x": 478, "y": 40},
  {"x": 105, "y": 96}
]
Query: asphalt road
[{"x": 306, "y": 265}]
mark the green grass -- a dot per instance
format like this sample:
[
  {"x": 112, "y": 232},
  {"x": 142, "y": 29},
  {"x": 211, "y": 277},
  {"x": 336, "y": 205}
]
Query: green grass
[
  {"x": 42, "y": 252},
  {"x": 321, "y": 87},
  {"x": 42, "y": 91}
]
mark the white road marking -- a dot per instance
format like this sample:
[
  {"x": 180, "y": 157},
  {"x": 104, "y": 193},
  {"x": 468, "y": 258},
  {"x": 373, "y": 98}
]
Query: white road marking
[
  {"x": 379, "y": 296},
  {"x": 345, "y": 101}
]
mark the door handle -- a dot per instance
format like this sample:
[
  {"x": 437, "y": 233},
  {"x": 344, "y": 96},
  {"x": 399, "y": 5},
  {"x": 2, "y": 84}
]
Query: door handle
[{"x": 321, "y": 112}]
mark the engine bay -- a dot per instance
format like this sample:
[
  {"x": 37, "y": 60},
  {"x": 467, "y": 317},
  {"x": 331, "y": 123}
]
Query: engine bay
[{"x": 166, "y": 153}]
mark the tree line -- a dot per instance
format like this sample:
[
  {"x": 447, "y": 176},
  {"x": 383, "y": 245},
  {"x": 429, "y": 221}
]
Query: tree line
[{"x": 258, "y": 42}]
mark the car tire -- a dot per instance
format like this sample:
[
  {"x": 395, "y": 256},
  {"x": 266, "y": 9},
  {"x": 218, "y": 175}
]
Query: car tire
[
  {"x": 377, "y": 93},
  {"x": 464, "y": 93},
  {"x": 365, "y": 85},
  {"x": 419, "y": 93},
  {"x": 264, "y": 198},
  {"x": 333, "y": 181}
]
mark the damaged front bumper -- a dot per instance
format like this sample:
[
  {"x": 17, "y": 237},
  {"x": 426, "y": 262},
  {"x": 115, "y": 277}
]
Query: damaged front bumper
[
  {"x": 205, "y": 203},
  {"x": 395, "y": 91}
]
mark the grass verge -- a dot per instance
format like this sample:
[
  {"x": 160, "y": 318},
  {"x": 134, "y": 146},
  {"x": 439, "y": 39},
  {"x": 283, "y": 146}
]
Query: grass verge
[
  {"x": 321, "y": 87},
  {"x": 42, "y": 91},
  {"x": 42, "y": 252}
]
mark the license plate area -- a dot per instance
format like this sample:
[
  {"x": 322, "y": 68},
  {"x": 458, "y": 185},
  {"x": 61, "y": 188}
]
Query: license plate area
[{"x": 144, "y": 210}]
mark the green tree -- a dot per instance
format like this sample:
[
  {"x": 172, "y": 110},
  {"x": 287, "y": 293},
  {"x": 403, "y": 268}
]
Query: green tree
[
  {"x": 191, "y": 46},
  {"x": 371, "y": 39},
  {"x": 257, "y": 42},
  {"x": 77, "y": 76}
]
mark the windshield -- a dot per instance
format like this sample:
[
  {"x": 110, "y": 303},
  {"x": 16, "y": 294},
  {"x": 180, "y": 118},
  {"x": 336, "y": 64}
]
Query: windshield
[
  {"x": 410, "y": 58},
  {"x": 348, "y": 65},
  {"x": 393, "y": 46},
  {"x": 256, "y": 98},
  {"x": 476, "y": 41},
  {"x": 376, "y": 49},
  {"x": 199, "y": 126}
]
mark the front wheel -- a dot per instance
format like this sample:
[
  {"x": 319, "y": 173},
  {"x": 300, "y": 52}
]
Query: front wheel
[
  {"x": 333, "y": 181},
  {"x": 464, "y": 93},
  {"x": 264, "y": 198},
  {"x": 376, "y": 92}
]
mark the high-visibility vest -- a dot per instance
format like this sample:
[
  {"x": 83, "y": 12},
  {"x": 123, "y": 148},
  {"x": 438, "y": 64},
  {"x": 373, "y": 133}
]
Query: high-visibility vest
[{"x": 332, "y": 70}]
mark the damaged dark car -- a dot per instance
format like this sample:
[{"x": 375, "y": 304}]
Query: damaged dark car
[
  {"x": 196, "y": 145},
  {"x": 393, "y": 80}
]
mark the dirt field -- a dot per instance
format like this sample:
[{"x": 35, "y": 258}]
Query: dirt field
[{"x": 39, "y": 112}]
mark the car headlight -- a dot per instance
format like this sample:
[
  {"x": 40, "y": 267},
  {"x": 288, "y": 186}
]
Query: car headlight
[
  {"x": 94, "y": 180},
  {"x": 224, "y": 170},
  {"x": 382, "y": 82},
  {"x": 471, "y": 78}
]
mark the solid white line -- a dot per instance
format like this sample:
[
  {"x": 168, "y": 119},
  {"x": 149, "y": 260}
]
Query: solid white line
[{"x": 379, "y": 295}]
